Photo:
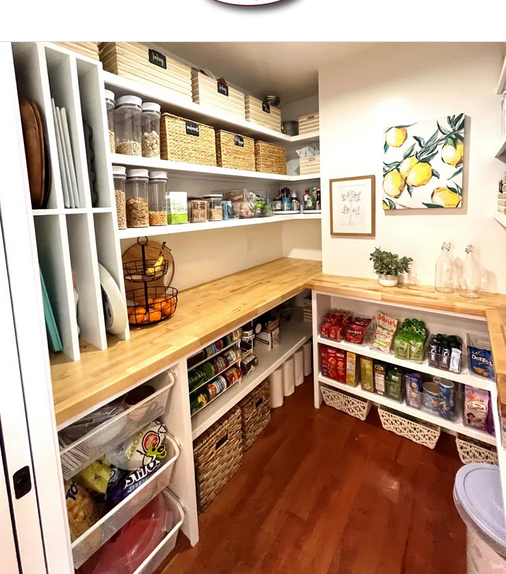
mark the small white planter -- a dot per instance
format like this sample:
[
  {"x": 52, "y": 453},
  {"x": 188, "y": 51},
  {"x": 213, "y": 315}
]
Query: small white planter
[{"x": 388, "y": 280}]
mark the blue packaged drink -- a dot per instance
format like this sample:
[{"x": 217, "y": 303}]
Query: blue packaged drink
[
  {"x": 447, "y": 406},
  {"x": 413, "y": 382}
]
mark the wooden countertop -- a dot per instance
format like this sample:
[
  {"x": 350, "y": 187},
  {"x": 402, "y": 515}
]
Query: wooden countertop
[{"x": 204, "y": 312}]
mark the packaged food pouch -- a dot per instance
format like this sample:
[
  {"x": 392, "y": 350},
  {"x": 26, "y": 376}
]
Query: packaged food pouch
[
  {"x": 385, "y": 331},
  {"x": 139, "y": 449},
  {"x": 81, "y": 510},
  {"x": 95, "y": 476},
  {"x": 131, "y": 481}
]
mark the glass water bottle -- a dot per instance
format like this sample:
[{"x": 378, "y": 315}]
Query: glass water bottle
[
  {"x": 471, "y": 276},
  {"x": 445, "y": 270}
]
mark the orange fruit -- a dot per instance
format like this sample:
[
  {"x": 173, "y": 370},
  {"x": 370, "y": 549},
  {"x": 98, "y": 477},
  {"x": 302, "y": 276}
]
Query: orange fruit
[
  {"x": 130, "y": 310},
  {"x": 142, "y": 301},
  {"x": 138, "y": 318},
  {"x": 159, "y": 303},
  {"x": 154, "y": 316}
]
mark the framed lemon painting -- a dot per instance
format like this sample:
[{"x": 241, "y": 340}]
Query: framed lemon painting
[{"x": 423, "y": 164}]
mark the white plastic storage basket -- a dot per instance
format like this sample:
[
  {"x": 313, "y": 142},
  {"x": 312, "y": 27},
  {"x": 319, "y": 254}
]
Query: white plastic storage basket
[
  {"x": 166, "y": 546},
  {"x": 422, "y": 433},
  {"x": 354, "y": 406},
  {"x": 94, "y": 538},
  {"x": 470, "y": 452},
  {"x": 108, "y": 435}
]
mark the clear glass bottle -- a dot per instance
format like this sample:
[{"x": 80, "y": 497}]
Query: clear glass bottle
[
  {"x": 445, "y": 270},
  {"x": 119, "y": 176},
  {"x": 127, "y": 124},
  {"x": 156, "y": 198},
  {"x": 151, "y": 130},
  {"x": 471, "y": 276},
  {"x": 137, "y": 198},
  {"x": 110, "y": 102}
]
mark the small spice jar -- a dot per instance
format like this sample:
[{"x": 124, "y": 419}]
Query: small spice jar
[
  {"x": 156, "y": 198},
  {"x": 197, "y": 210},
  {"x": 137, "y": 198},
  {"x": 127, "y": 125},
  {"x": 214, "y": 201},
  {"x": 119, "y": 176},
  {"x": 110, "y": 102},
  {"x": 150, "y": 129}
]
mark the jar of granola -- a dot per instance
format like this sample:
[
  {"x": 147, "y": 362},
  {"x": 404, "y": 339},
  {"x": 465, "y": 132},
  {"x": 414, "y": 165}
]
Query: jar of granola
[
  {"x": 137, "y": 198},
  {"x": 127, "y": 124},
  {"x": 150, "y": 130},
  {"x": 156, "y": 198},
  {"x": 119, "y": 176}
]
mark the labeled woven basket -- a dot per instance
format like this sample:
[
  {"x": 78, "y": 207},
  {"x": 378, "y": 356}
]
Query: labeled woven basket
[
  {"x": 256, "y": 413},
  {"x": 422, "y": 433},
  {"x": 470, "y": 452},
  {"x": 186, "y": 141},
  {"x": 235, "y": 151},
  {"x": 218, "y": 456},
  {"x": 270, "y": 158},
  {"x": 354, "y": 406}
]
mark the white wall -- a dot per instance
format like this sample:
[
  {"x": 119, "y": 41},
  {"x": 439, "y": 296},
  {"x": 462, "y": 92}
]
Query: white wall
[
  {"x": 302, "y": 239},
  {"x": 403, "y": 84},
  {"x": 293, "y": 110}
]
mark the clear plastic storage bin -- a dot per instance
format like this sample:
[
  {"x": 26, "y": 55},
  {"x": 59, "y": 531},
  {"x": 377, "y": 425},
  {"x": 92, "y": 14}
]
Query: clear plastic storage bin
[
  {"x": 127, "y": 124},
  {"x": 137, "y": 198},
  {"x": 150, "y": 129},
  {"x": 119, "y": 176},
  {"x": 156, "y": 198},
  {"x": 110, "y": 102},
  {"x": 197, "y": 210},
  {"x": 215, "y": 206}
]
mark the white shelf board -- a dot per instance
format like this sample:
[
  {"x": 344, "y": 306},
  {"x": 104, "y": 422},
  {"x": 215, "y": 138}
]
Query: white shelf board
[
  {"x": 463, "y": 377},
  {"x": 208, "y": 225},
  {"x": 194, "y": 170},
  {"x": 501, "y": 86},
  {"x": 455, "y": 426},
  {"x": 305, "y": 137},
  {"x": 501, "y": 154},
  {"x": 500, "y": 217},
  {"x": 293, "y": 336}
]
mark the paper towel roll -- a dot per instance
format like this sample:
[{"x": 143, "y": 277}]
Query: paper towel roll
[
  {"x": 308, "y": 358},
  {"x": 276, "y": 380},
  {"x": 289, "y": 377},
  {"x": 299, "y": 367}
]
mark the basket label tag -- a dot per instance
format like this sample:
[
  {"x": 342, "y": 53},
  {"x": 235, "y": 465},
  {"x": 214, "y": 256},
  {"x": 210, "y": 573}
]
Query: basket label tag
[
  {"x": 222, "y": 88},
  {"x": 266, "y": 107},
  {"x": 239, "y": 140},
  {"x": 157, "y": 59},
  {"x": 192, "y": 129}
]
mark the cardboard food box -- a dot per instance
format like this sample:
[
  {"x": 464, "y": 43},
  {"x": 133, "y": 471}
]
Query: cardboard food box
[
  {"x": 351, "y": 369},
  {"x": 333, "y": 363},
  {"x": 177, "y": 207},
  {"x": 268, "y": 338}
]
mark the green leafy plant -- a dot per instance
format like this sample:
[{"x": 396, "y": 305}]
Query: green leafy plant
[{"x": 386, "y": 263}]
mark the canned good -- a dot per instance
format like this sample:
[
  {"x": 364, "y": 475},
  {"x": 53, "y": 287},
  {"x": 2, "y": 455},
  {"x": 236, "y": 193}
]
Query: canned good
[
  {"x": 231, "y": 355},
  {"x": 216, "y": 387},
  {"x": 431, "y": 396},
  {"x": 233, "y": 336},
  {"x": 196, "y": 378},
  {"x": 219, "y": 364},
  {"x": 413, "y": 383},
  {"x": 233, "y": 375},
  {"x": 209, "y": 370},
  {"x": 447, "y": 405},
  {"x": 199, "y": 401}
]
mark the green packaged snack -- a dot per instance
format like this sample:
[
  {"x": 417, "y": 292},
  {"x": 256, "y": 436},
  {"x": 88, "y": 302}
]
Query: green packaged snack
[
  {"x": 416, "y": 345},
  {"x": 394, "y": 384},
  {"x": 401, "y": 347}
]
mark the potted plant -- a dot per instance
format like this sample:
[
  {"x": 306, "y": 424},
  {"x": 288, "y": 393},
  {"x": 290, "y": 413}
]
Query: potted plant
[{"x": 389, "y": 266}]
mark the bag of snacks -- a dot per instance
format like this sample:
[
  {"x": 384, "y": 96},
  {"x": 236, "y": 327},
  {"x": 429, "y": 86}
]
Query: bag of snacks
[
  {"x": 81, "y": 510},
  {"x": 480, "y": 356},
  {"x": 385, "y": 331},
  {"x": 355, "y": 330},
  {"x": 131, "y": 481},
  {"x": 476, "y": 408},
  {"x": 95, "y": 476},
  {"x": 409, "y": 343}
]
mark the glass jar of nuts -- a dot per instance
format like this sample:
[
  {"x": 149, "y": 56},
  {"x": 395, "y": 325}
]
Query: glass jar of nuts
[
  {"x": 137, "y": 198},
  {"x": 156, "y": 198},
  {"x": 110, "y": 100},
  {"x": 119, "y": 176},
  {"x": 127, "y": 124},
  {"x": 150, "y": 130}
]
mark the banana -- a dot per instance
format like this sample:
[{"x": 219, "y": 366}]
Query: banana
[{"x": 158, "y": 266}]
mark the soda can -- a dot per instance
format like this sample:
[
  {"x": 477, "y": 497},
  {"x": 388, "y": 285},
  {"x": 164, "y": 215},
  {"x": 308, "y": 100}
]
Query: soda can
[{"x": 447, "y": 389}]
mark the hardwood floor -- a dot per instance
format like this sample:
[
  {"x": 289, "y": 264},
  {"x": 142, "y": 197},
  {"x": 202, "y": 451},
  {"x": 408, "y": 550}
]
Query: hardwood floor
[{"x": 322, "y": 492}]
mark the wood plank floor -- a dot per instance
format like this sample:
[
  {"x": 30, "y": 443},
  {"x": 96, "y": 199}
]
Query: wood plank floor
[{"x": 321, "y": 492}]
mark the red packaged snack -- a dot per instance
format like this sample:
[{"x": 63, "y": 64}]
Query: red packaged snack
[
  {"x": 324, "y": 330},
  {"x": 355, "y": 332},
  {"x": 333, "y": 363},
  {"x": 336, "y": 332}
]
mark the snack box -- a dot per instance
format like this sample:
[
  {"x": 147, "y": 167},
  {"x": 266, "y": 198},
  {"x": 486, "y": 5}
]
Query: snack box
[
  {"x": 367, "y": 374},
  {"x": 268, "y": 338},
  {"x": 352, "y": 371},
  {"x": 333, "y": 363}
]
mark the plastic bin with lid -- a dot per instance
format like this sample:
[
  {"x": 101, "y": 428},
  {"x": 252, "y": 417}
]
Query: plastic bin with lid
[
  {"x": 151, "y": 129},
  {"x": 127, "y": 125},
  {"x": 214, "y": 201},
  {"x": 137, "y": 198},
  {"x": 110, "y": 103},
  {"x": 156, "y": 198},
  {"x": 119, "y": 177}
]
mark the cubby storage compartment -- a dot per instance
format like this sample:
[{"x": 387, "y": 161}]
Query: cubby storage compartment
[
  {"x": 108, "y": 435},
  {"x": 423, "y": 433},
  {"x": 88, "y": 49},
  {"x": 470, "y": 452},
  {"x": 354, "y": 406},
  {"x": 94, "y": 538},
  {"x": 218, "y": 95}
]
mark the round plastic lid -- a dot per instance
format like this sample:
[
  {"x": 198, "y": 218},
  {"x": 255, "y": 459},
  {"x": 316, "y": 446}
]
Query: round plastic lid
[
  {"x": 118, "y": 170},
  {"x": 151, "y": 107},
  {"x": 131, "y": 100},
  {"x": 109, "y": 95},
  {"x": 138, "y": 173},
  {"x": 157, "y": 175},
  {"x": 478, "y": 496}
]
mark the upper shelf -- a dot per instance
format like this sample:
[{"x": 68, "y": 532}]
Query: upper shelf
[
  {"x": 194, "y": 170},
  {"x": 196, "y": 112},
  {"x": 501, "y": 87}
]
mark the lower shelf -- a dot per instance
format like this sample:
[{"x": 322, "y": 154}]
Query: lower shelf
[
  {"x": 455, "y": 426},
  {"x": 294, "y": 335}
]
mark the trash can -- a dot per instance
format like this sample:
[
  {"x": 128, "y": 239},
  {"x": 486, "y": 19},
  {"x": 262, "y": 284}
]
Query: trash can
[{"x": 478, "y": 498}]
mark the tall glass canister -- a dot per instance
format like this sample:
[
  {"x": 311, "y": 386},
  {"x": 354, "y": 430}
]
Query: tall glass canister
[
  {"x": 156, "y": 198},
  {"x": 110, "y": 102},
  {"x": 471, "y": 275},
  {"x": 151, "y": 130},
  {"x": 127, "y": 124},
  {"x": 137, "y": 198},
  {"x": 445, "y": 271},
  {"x": 119, "y": 176}
]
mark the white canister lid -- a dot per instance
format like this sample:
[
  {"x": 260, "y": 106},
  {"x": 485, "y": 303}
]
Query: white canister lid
[
  {"x": 109, "y": 95},
  {"x": 138, "y": 173},
  {"x": 151, "y": 107},
  {"x": 118, "y": 170},
  {"x": 130, "y": 100},
  {"x": 158, "y": 175}
]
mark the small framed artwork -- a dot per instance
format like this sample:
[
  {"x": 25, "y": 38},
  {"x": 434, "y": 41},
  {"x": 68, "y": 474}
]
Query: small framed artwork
[{"x": 352, "y": 206}]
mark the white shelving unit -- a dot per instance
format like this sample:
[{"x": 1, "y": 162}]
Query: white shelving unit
[{"x": 500, "y": 218}]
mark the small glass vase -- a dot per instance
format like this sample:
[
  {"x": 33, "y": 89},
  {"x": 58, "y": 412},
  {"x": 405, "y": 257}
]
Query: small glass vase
[
  {"x": 471, "y": 276},
  {"x": 445, "y": 271}
]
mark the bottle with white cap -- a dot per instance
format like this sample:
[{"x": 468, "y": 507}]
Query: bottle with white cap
[
  {"x": 110, "y": 102},
  {"x": 137, "y": 198},
  {"x": 156, "y": 198},
  {"x": 127, "y": 124},
  {"x": 151, "y": 129}
]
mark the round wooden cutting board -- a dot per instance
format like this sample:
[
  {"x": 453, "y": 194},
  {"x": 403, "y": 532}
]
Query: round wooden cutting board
[{"x": 34, "y": 150}]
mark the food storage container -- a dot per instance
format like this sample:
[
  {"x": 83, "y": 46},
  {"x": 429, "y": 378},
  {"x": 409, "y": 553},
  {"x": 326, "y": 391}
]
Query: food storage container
[
  {"x": 215, "y": 206},
  {"x": 151, "y": 129},
  {"x": 127, "y": 125},
  {"x": 243, "y": 203},
  {"x": 263, "y": 205},
  {"x": 197, "y": 210},
  {"x": 110, "y": 102},
  {"x": 137, "y": 198},
  {"x": 432, "y": 397},
  {"x": 156, "y": 198},
  {"x": 119, "y": 176},
  {"x": 177, "y": 206}
]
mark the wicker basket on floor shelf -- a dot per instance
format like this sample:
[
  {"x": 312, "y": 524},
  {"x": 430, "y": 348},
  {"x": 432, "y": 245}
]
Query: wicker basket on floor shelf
[
  {"x": 426, "y": 434},
  {"x": 234, "y": 151},
  {"x": 256, "y": 413},
  {"x": 470, "y": 452},
  {"x": 270, "y": 158},
  {"x": 354, "y": 406},
  {"x": 186, "y": 141},
  {"x": 218, "y": 456}
]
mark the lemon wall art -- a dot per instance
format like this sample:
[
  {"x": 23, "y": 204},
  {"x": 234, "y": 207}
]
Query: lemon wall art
[{"x": 423, "y": 164}]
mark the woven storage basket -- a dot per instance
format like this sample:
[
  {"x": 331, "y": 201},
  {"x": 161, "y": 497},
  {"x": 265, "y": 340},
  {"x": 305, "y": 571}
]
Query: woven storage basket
[
  {"x": 88, "y": 49},
  {"x": 270, "y": 158},
  {"x": 235, "y": 151},
  {"x": 256, "y": 413},
  {"x": 262, "y": 114},
  {"x": 186, "y": 141},
  {"x": 470, "y": 452},
  {"x": 309, "y": 123},
  {"x": 354, "y": 406},
  {"x": 138, "y": 62},
  {"x": 209, "y": 93},
  {"x": 309, "y": 165},
  {"x": 421, "y": 433},
  {"x": 218, "y": 456}
]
